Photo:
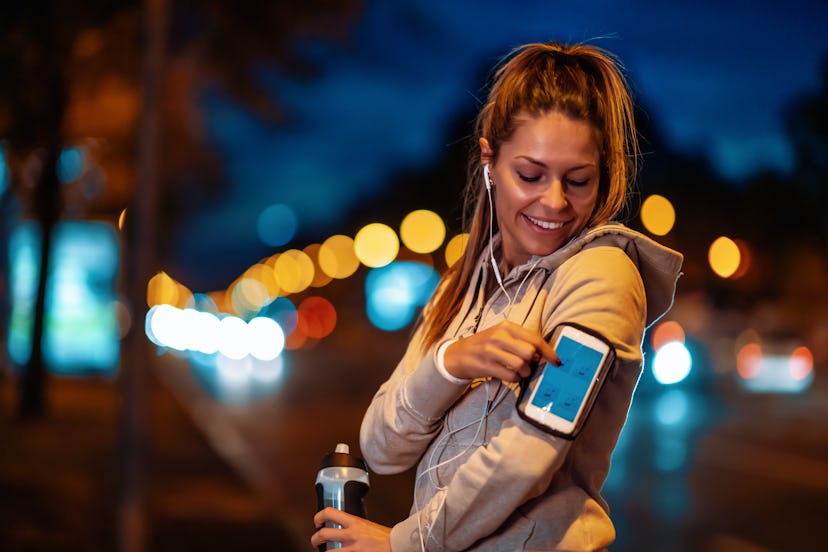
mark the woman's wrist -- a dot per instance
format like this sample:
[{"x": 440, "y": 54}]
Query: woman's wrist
[{"x": 440, "y": 362}]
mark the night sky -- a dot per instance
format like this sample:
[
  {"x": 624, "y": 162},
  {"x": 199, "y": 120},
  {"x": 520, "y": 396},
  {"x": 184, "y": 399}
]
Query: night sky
[{"x": 715, "y": 77}]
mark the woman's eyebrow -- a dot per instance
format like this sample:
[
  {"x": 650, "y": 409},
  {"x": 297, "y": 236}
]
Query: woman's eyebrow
[{"x": 542, "y": 164}]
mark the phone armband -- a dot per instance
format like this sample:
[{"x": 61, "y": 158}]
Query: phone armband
[{"x": 558, "y": 399}]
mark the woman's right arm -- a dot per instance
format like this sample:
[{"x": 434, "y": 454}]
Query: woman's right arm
[{"x": 407, "y": 411}]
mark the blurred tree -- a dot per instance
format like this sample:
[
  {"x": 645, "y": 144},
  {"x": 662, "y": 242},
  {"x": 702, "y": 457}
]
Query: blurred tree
[
  {"x": 35, "y": 41},
  {"x": 71, "y": 76},
  {"x": 807, "y": 124}
]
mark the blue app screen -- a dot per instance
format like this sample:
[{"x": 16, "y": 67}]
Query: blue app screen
[{"x": 562, "y": 388}]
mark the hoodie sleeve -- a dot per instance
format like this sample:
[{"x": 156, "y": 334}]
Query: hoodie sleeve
[
  {"x": 600, "y": 288},
  {"x": 406, "y": 412}
]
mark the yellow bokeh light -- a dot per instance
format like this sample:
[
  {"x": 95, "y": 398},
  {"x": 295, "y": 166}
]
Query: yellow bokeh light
[
  {"x": 422, "y": 231},
  {"x": 724, "y": 257},
  {"x": 320, "y": 277},
  {"x": 658, "y": 215},
  {"x": 249, "y": 295},
  {"x": 337, "y": 257},
  {"x": 376, "y": 245},
  {"x": 162, "y": 290},
  {"x": 122, "y": 219},
  {"x": 294, "y": 271},
  {"x": 263, "y": 273},
  {"x": 455, "y": 248}
]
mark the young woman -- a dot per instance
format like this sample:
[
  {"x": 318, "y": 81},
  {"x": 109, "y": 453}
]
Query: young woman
[{"x": 557, "y": 150}]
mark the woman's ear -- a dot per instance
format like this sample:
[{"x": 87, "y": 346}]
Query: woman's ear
[{"x": 485, "y": 152}]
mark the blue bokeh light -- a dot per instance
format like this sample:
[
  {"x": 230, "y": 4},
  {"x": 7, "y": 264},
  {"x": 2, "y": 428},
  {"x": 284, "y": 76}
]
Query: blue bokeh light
[
  {"x": 70, "y": 165},
  {"x": 276, "y": 225},
  {"x": 395, "y": 291}
]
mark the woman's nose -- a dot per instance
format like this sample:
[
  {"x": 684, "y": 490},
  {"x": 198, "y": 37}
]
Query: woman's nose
[{"x": 554, "y": 196}]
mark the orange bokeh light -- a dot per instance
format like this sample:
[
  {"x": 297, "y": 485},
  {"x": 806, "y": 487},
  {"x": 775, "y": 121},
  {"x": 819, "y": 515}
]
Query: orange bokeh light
[
  {"x": 801, "y": 363},
  {"x": 317, "y": 317},
  {"x": 665, "y": 333},
  {"x": 749, "y": 360}
]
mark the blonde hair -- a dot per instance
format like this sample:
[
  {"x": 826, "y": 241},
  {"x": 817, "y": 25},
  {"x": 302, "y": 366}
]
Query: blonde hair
[{"x": 581, "y": 81}]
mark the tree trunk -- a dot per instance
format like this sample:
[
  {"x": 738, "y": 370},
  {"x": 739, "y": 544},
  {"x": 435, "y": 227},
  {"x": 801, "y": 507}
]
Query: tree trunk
[
  {"x": 141, "y": 239},
  {"x": 47, "y": 207}
]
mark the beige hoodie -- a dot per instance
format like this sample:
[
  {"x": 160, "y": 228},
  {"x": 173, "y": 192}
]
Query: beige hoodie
[{"x": 487, "y": 479}]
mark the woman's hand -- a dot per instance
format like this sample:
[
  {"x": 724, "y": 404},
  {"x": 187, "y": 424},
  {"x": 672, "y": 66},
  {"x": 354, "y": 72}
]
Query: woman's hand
[
  {"x": 503, "y": 351},
  {"x": 356, "y": 534}
]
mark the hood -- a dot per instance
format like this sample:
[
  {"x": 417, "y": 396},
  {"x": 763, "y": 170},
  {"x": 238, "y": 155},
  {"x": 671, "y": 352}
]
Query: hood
[{"x": 659, "y": 266}]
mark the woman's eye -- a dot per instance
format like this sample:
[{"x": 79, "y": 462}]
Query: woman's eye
[
  {"x": 529, "y": 178},
  {"x": 577, "y": 183}
]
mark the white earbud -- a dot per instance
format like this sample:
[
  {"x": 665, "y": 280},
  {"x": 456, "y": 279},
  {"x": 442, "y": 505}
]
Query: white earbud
[{"x": 488, "y": 182}]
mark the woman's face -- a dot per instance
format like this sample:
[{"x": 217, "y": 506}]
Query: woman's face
[{"x": 545, "y": 184}]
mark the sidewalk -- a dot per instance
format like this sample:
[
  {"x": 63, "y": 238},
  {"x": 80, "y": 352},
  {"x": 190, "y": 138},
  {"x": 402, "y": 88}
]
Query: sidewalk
[{"x": 58, "y": 478}]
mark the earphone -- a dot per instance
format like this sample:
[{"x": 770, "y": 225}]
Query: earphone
[
  {"x": 488, "y": 181},
  {"x": 430, "y": 470}
]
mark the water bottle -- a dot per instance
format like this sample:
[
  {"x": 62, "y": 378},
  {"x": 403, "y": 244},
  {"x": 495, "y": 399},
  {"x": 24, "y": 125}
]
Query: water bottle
[{"x": 341, "y": 483}]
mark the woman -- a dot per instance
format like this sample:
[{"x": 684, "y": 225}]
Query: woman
[{"x": 557, "y": 148}]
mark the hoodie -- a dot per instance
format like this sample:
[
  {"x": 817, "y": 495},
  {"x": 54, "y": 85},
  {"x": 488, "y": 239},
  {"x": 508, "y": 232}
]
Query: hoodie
[{"x": 486, "y": 479}]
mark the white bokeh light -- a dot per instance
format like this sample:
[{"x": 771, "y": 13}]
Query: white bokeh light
[
  {"x": 266, "y": 338},
  {"x": 233, "y": 338},
  {"x": 672, "y": 363}
]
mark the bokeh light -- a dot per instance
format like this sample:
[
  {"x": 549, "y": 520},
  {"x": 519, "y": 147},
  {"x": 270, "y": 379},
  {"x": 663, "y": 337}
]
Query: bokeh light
[
  {"x": 283, "y": 311},
  {"x": 666, "y": 332},
  {"x": 456, "y": 247},
  {"x": 724, "y": 257},
  {"x": 337, "y": 257},
  {"x": 394, "y": 292},
  {"x": 745, "y": 258},
  {"x": 376, "y": 245},
  {"x": 294, "y": 271},
  {"x": 658, "y": 215},
  {"x": 233, "y": 339},
  {"x": 266, "y": 338},
  {"x": 248, "y": 296},
  {"x": 162, "y": 289},
  {"x": 320, "y": 277},
  {"x": 263, "y": 273},
  {"x": 276, "y": 225},
  {"x": 70, "y": 164},
  {"x": 801, "y": 363},
  {"x": 749, "y": 360},
  {"x": 422, "y": 231},
  {"x": 317, "y": 317},
  {"x": 672, "y": 407},
  {"x": 672, "y": 363}
]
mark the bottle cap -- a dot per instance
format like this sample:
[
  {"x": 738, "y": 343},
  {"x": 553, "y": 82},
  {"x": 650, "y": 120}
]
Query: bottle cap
[{"x": 341, "y": 458}]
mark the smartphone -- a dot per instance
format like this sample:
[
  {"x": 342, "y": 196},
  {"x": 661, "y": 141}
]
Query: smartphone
[{"x": 558, "y": 399}]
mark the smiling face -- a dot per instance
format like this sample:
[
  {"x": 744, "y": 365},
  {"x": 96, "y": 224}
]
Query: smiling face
[{"x": 546, "y": 180}]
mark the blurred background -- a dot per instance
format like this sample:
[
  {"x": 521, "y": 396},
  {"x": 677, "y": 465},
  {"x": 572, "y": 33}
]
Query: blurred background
[{"x": 219, "y": 220}]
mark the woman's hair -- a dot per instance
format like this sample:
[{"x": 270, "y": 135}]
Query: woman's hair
[{"x": 581, "y": 81}]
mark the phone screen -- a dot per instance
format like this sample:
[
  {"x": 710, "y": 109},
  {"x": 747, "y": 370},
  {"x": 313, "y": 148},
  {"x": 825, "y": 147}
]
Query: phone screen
[{"x": 562, "y": 388}]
